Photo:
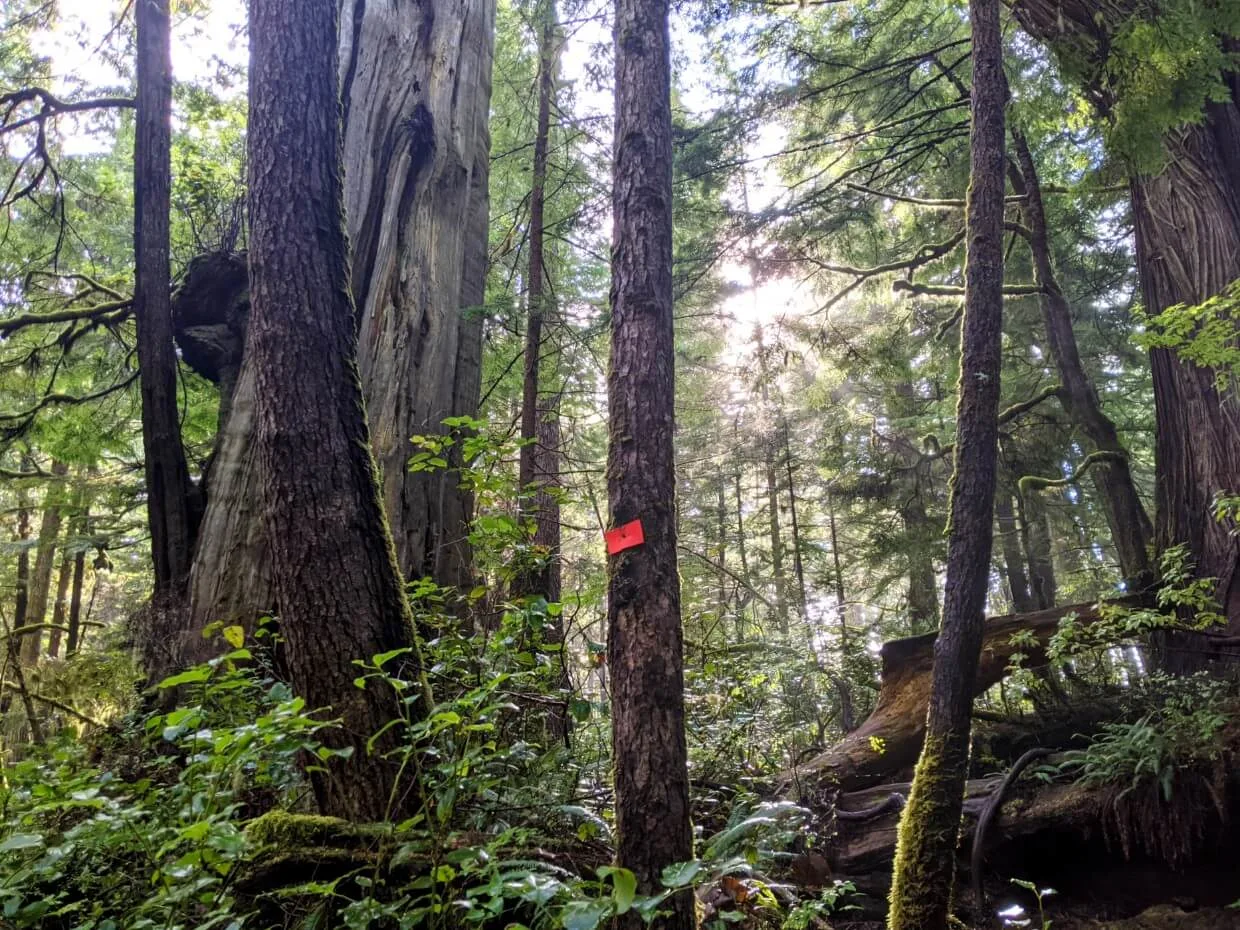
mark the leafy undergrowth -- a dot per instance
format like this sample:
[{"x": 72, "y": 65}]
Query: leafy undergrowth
[{"x": 198, "y": 818}]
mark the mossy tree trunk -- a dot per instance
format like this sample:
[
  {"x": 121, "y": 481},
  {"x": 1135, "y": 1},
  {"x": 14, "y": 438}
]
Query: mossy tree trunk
[
  {"x": 925, "y": 865},
  {"x": 332, "y": 558},
  {"x": 645, "y": 643}
]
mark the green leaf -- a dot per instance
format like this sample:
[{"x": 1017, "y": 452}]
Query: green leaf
[
  {"x": 680, "y": 874},
  {"x": 584, "y": 915},
  {"x": 192, "y": 676},
  {"x": 22, "y": 841}
]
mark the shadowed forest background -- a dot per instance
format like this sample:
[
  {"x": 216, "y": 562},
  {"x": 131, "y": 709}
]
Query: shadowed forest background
[{"x": 565, "y": 464}]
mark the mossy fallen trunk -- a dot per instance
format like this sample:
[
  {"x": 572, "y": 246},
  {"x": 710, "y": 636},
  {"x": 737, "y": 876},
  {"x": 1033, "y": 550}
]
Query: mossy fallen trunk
[{"x": 889, "y": 740}]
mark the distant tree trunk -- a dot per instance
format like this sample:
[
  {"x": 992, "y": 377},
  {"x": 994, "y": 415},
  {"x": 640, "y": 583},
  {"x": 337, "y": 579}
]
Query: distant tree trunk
[
  {"x": 920, "y": 531},
  {"x": 534, "y": 413},
  {"x": 741, "y": 549},
  {"x": 1131, "y": 531},
  {"x": 168, "y": 486},
  {"x": 925, "y": 862},
  {"x": 721, "y": 549},
  {"x": 1013, "y": 554},
  {"x": 798, "y": 566},
  {"x": 21, "y": 603},
  {"x": 74, "y": 636},
  {"x": 645, "y": 645},
  {"x": 60, "y": 608},
  {"x": 1187, "y": 224},
  {"x": 333, "y": 563},
  {"x": 417, "y": 147},
  {"x": 44, "y": 561},
  {"x": 1035, "y": 532},
  {"x": 848, "y": 717}
]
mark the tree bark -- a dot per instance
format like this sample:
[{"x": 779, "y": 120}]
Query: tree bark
[
  {"x": 416, "y": 82},
  {"x": 1131, "y": 531},
  {"x": 645, "y": 645},
  {"x": 74, "y": 636},
  {"x": 535, "y": 461},
  {"x": 925, "y": 862},
  {"x": 21, "y": 601},
  {"x": 1013, "y": 554},
  {"x": 168, "y": 486},
  {"x": 332, "y": 560},
  {"x": 44, "y": 561},
  {"x": 1187, "y": 222}
]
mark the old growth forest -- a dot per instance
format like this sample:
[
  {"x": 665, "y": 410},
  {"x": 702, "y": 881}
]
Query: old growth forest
[{"x": 608, "y": 464}]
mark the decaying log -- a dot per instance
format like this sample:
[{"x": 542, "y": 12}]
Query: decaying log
[
  {"x": 870, "y": 845},
  {"x": 889, "y": 741}
]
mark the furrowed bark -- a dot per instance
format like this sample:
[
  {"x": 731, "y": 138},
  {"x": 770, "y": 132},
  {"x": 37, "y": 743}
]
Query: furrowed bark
[
  {"x": 925, "y": 864},
  {"x": 333, "y": 562},
  {"x": 416, "y": 84},
  {"x": 645, "y": 645}
]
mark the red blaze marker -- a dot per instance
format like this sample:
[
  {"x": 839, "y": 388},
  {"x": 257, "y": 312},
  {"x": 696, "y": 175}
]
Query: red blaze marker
[{"x": 624, "y": 537}]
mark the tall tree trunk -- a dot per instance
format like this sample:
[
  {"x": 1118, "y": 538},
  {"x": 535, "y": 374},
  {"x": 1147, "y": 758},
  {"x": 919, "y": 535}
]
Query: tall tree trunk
[
  {"x": 533, "y": 411},
  {"x": 416, "y": 90},
  {"x": 1131, "y": 531},
  {"x": 798, "y": 566},
  {"x": 925, "y": 863},
  {"x": 645, "y": 643},
  {"x": 168, "y": 486},
  {"x": 21, "y": 600},
  {"x": 1013, "y": 554},
  {"x": 1187, "y": 222},
  {"x": 61, "y": 607},
  {"x": 920, "y": 532},
  {"x": 44, "y": 561},
  {"x": 74, "y": 636},
  {"x": 1035, "y": 532},
  {"x": 333, "y": 563},
  {"x": 848, "y": 717}
]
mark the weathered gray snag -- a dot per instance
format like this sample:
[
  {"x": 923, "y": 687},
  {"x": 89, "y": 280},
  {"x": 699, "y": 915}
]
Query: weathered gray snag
[{"x": 416, "y": 83}]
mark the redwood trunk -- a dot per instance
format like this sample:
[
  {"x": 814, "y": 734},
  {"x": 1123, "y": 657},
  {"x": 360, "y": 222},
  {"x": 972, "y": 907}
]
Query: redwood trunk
[
  {"x": 332, "y": 559},
  {"x": 645, "y": 647},
  {"x": 926, "y": 858},
  {"x": 168, "y": 486},
  {"x": 44, "y": 562}
]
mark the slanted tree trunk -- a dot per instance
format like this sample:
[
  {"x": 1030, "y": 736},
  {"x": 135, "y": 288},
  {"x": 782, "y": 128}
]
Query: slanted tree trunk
[
  {"x": 798, "y": 566},
  {"x": 416, "y": 85},
  {"x": 332, "y": 559},
  {"x": 645, "y": 642},
  {"x": 925, "y": 863},
  {"x": 168, "y": 487},
  {"x": 1187, "y": 222},
  {"x": 1131, "y": 531}
]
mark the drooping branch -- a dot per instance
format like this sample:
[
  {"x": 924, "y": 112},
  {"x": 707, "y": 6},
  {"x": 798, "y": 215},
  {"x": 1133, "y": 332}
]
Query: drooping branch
[{"x": 904, "y": 285}]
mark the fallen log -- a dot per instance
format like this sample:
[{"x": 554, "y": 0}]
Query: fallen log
[
  {"x": 889, "y": 740},
  {"x": 868, "y": 846}
]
